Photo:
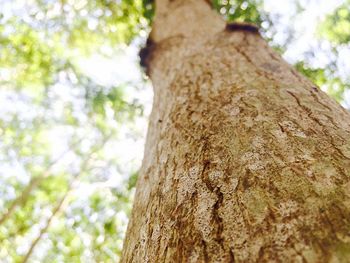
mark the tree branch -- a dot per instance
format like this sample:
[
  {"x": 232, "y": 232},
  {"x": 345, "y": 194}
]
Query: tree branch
[
  {"x": 34, "y": 182},
  {"x": 61, "y": 203}
]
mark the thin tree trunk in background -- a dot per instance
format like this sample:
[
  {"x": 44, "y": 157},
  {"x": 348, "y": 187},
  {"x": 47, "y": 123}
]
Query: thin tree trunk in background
[
  {"x": 55, "y": 212},
  {"x": 245, "y": 159},
  {"x": 21, "y": 200},
  {"x": 84, "y": 167}
]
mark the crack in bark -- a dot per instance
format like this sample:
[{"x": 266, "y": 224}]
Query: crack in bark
[
  {"x": 328, "y": 135},
  {"x": 257, "y": 68},
  {"x": 315, "y": 96},
  {"x": 218, "y": 220},
  {"x": 205, "y": 252},
  {"x": 306, "y": 109},
  {"x": 232, "y": 256}
]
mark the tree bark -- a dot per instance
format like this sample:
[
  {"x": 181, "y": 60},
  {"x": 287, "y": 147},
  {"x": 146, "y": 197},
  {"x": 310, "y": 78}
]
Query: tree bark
[{"x": 245, "y": 160}]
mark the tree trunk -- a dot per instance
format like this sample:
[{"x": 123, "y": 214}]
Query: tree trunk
[{"x": 245, "y": 160}]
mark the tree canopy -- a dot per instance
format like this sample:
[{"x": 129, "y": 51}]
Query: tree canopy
[{"x": 74, "y": 106}]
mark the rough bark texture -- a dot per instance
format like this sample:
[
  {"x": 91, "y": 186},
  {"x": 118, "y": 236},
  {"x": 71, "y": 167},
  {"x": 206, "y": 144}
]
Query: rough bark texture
[{"x": 245, "y": 160}]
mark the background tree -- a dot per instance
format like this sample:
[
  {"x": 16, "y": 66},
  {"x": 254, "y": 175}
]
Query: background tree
[{"x": 65, "y": 120}]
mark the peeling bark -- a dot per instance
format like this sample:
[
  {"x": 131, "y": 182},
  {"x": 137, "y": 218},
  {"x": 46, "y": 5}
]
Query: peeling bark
[{"x": 245, "y": 160}]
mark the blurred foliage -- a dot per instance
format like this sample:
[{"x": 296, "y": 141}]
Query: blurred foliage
[
  {"x": 322, "y": 77},
  {"x": 58, "y": 128},
  {"x": 336, "y": 26},
  {"x": 65, "y": 184},
  {"x": 249, "y": 11}
]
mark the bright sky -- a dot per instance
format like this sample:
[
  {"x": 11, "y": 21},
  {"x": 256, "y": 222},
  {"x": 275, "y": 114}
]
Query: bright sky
[{"x": 304, "y": 24}]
